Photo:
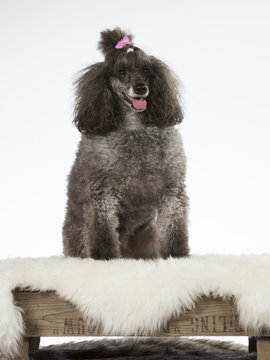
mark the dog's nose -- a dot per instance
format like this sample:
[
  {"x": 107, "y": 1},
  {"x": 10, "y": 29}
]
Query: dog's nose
[{"x": 141, "y": 89}]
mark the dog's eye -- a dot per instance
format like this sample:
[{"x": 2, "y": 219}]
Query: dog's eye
[
  {"x": 146, "y": 70},
  {"x": 122, "y": 72}
]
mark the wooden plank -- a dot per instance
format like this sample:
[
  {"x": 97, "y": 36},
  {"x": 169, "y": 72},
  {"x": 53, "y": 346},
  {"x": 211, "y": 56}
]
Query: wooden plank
[
  {"x": 210, "y": 317},
  {"x": 46, "y": 314},
  {"x": 263, "y": 348}
]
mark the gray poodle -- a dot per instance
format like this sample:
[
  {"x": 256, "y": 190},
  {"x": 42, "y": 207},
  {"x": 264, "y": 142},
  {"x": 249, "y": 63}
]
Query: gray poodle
[{"x": 126, "y": 189}]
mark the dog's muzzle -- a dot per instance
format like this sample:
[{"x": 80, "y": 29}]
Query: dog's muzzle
[{"x": 138, "y": 103}]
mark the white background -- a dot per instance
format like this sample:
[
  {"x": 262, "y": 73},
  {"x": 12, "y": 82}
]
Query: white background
[{"x": 219, "y": 49}]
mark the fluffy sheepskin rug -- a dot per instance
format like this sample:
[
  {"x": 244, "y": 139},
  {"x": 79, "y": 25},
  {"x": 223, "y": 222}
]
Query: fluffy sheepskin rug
[
  {"x": 146, "y": 349},
  {"x": 143, "y": 295}
]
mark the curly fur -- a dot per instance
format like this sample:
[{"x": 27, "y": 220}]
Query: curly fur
[
  {"x": 146, "y": 348},
  {"x": 126, "y": 189},
  {"x": 110, "y": 38}
]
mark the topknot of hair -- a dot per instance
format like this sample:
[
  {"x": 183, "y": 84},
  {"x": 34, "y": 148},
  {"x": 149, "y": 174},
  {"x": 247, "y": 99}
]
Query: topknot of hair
[{"x": 109, "y": 38}]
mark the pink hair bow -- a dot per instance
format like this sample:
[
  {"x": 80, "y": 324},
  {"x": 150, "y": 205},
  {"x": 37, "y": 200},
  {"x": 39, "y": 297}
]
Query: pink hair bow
[{"x": 123, "y": 42}]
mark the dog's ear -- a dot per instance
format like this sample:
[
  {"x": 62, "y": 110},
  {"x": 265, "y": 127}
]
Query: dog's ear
[
  {"x": 96, "y": 109},
  {"x": 163, "y": 106}
]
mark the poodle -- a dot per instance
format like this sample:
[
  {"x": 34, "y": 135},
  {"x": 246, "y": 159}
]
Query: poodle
[{"x": 126, "y": 189}]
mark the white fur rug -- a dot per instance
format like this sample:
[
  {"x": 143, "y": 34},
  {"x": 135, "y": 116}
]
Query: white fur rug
[{"x": 131, "y": 297}]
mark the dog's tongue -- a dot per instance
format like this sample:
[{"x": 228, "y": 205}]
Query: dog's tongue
[{"x": 139, "y": 104}]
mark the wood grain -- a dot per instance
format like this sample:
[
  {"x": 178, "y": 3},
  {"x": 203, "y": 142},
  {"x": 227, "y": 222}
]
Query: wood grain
[
  {"x": 24, "y": 349},
  {"x": 263, "y": 348},
  {"x": 210, "y": 317},
  {"x": 46, "y": 314}
]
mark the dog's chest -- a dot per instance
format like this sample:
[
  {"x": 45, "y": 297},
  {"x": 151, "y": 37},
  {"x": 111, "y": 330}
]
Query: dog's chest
[
  {"x": 137, "y": 158},
  {"x": 137, "y": 169},
  {"x": 130, "y": 163}
]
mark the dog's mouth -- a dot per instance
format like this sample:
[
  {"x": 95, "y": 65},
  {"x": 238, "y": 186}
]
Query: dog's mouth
[{"x": 136, "y": 103}]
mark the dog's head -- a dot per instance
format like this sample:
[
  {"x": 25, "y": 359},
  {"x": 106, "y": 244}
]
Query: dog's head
[{"x": 127, "y": 80}]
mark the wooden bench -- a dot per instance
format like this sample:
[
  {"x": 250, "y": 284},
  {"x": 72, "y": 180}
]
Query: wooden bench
[{"x": 46, "y": 314}]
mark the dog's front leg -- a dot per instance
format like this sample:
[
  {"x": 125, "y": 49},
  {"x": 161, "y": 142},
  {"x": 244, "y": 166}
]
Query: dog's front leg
[
  {"x": 100, "y": 237},
  {"x": 172, "y": 225}
]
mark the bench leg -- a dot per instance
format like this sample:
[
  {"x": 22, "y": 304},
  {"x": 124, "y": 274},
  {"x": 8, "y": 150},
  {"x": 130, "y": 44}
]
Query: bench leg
[
  {"x": 28, "y": 344},
  {"x": 24, "y": 349},
  {"x": 263, "y": 348},
  {"x": 34, "y": 343},
  {"x": 252, "y": 344}
]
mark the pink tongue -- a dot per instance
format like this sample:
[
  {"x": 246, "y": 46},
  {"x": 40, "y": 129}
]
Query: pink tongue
[{"x": 139, "y": 104}]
